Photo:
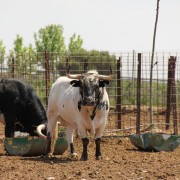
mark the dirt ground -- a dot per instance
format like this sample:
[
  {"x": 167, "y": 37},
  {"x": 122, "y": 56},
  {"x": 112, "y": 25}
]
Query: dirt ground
[{"x": 120, "y": 161}]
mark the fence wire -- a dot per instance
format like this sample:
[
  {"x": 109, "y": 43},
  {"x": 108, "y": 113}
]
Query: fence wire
[{"x": 42, "y": 69}]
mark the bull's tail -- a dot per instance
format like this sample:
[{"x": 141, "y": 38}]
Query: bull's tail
[
  {"x": 39, "y": 130},
  {"x": 43, "y": 127},
  {"x": 53, "y": 140}
]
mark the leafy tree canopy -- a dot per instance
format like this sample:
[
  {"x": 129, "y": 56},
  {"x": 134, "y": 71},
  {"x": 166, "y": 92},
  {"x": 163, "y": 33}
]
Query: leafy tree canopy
[
  {"x": 2, "y": 48},
  {"x": 50, "y": 39},
  {"x": 75, "y": 44},
  {"x": 18, "y": 45}
]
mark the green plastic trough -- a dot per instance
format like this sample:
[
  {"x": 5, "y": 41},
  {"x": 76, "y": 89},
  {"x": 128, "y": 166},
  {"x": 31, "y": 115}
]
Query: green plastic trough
[
  {"x": 32, "y": 146},
  {"x": 155, "y": 142}
]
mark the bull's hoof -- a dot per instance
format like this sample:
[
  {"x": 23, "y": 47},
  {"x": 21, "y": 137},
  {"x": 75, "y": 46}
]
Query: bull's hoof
[
  {"x": 49, "y": 155},
  {"x": 84, "y": 158},
  {"x": 98, "y": 157},
  {"x": 72, "y": 157}
]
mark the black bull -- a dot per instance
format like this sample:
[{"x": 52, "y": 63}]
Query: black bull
[{"x": 19, "y": 104}]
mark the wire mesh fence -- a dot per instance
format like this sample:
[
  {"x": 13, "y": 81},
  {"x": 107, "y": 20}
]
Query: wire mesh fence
[{"x": 129, "y": 91}]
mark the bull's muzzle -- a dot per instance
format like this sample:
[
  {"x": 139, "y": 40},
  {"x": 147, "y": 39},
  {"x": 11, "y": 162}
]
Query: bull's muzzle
[{"x": 88, "y": 101}]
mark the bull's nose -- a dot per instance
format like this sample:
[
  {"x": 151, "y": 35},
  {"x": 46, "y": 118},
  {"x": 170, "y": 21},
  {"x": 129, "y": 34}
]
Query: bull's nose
[{"x": 88, "y": 101}]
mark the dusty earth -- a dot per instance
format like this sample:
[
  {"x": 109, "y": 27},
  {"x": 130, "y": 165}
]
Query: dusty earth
[{"x": 121, "y": 160}]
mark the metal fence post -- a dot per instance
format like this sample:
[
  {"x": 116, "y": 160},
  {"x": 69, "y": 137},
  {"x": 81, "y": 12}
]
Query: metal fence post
[
  {"x": 168, "y": 100},
  {"x": 85, "y": 65},
  {"x": 138, "y": 95},
  {"x": 118, "y": 98},
  {"x": 12, "y": 67},
  {"x": 67, "y": 60},
  {"x": 47, "y": 75}
]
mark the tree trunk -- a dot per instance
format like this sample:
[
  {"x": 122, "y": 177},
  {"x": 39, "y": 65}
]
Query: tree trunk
[{"x": 152, "y": 62}]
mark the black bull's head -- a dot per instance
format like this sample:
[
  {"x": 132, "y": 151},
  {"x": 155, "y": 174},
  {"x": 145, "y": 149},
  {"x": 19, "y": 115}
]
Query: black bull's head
[{"x": 91, "y": 86}]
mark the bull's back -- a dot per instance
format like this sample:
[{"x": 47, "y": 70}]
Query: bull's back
[
  {"x": 13, "y": 93},
  {"x": 20, "y": 97},
  {"x": 63, "y": 100}
]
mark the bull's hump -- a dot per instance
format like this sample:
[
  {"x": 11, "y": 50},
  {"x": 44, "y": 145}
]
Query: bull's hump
[{"x": 92, "y": 72}]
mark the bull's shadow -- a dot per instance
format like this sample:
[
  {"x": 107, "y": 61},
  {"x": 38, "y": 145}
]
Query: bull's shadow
[
  {"x": 44, "y": 159},
  {"x": 139, "y": 150}
]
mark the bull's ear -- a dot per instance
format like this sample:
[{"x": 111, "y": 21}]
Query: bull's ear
[
  {"x": 75, "y": 83},
  {"x": 102, "y": 83}
]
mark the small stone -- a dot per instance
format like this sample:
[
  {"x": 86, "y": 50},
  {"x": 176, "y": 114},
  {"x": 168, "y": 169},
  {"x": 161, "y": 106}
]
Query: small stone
[
  {"x": 50, "y": 178},
  {"x": 115, "y": 161},
  {"x": 78, "y": 173},
  {"x": 144, "y": 171},
  {"x": 52, "y": 162}
]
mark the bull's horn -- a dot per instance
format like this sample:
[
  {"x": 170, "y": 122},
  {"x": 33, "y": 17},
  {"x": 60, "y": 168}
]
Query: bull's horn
[
  {"x": 104, "y": 77},
  {"x": 74, "y": 76},
  {"x": 39, "y": 130}
]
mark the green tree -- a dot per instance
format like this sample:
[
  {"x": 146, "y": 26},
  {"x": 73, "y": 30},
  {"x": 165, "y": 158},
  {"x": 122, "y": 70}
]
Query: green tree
[
  {"x": 75, "y": 44},
  {"x": 29, "y": 56},
  {"x": 2, "y": 48},
  {"x": 19, "y": 51},
  {"x": 50, "y": 39},
  {"x": 2, "y": 52},
  {"x": 23, "y": 56},
  {"x": 18, "y": 45}
]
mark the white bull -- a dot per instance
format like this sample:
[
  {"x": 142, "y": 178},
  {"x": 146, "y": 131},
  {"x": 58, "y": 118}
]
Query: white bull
[{"x": 82, "y": 105}]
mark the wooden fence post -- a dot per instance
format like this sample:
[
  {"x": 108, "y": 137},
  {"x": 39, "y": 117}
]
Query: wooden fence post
[
  {"x": 173, "y": 98},
  {"x": 170, "y": 88}
]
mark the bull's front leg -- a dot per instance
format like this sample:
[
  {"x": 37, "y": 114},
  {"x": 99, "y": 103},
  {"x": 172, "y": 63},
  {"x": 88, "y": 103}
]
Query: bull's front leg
[
  {"x": 84, "y": 156},
  {"x": 9, "y": 130},
  {"x": 98, "y": 136},
  {"x": 9, "y": 124},
  {"x": 98, "y": 148}
]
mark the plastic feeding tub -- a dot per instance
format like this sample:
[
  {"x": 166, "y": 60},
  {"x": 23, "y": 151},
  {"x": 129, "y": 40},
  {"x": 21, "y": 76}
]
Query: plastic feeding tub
[
  {"x": 155, "y": 141},
  {"x": 33, "y": 146}
]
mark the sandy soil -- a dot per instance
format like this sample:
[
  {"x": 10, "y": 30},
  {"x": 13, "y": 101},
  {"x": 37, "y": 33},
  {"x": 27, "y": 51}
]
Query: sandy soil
[{"x": 121, "y": 160}]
